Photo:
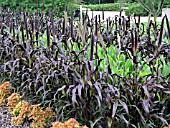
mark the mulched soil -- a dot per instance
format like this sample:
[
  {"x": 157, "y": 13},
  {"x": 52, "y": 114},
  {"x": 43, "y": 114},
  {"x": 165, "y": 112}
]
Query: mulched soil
[{"x": 5, "y": 119}]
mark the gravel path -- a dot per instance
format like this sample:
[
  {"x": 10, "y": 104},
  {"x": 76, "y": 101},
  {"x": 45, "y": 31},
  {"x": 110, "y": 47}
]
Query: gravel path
[{"x": 5, "y": 119}]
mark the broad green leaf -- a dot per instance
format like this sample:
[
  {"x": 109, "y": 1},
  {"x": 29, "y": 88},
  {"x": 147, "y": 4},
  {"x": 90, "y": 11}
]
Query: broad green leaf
[
  {"x": 114, "y": 58},
  {"x": 115, "y": 70},
  {"x": 122, "y": 57},
  {"x": 122, "y": 72},
  {"x": 129, "y": 65},
  {"x": 166, "y": 70},
  {"x": 145, "y": 71},
  {"x": 121, "y": 64}
]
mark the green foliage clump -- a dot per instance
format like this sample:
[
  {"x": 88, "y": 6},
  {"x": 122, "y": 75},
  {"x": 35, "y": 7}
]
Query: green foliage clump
[
  {"x": 105, "y": 7},
  {"x": 136, "y": 9},
  {"x": 166, "y": 4},
  {"x": 57, "y": 6}
]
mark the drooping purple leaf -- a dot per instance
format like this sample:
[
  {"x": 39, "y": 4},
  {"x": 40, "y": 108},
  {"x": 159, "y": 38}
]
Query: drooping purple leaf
[
  {"x": 146, "y": 105},
  {"x": 124, "y": 106},
  {"x": 146, "y": 91},
  {"x": 74, "y": 101},
  {"x": 114, "y": 108},
  {"x": 161, "y": 118}
]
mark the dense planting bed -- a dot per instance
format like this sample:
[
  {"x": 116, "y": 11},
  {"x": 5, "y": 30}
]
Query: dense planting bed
[{"x": 102, "y": 73}]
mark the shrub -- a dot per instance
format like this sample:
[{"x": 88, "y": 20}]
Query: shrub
[
  {"x": 71, "y": 123},
  {"x": 20, "y": 112},
  {"x": 13, "y": 100},
  {"x": 18, "y": 108},
  {"x": 5, "y": 90},
  {"x": 58, "y": 6},
  {"x": 135, "y": 8},
  {"x": 104, "y": 7},
  {"x": 39, "y": 117}
]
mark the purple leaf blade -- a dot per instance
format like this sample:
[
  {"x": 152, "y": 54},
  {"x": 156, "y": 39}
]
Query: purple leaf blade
[
  {"x": 145, "y": 104},
  {"x": 74, "y": 96},
  {"x": 114, "y": 108},
  {"x": 124, "y": 106}
]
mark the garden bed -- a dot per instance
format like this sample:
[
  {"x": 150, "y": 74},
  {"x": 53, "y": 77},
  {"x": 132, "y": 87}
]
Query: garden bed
[{"x": 103, "y": 74}]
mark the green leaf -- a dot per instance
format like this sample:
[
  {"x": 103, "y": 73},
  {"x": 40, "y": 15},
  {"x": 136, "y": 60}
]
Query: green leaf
[
  {"x": 122, "y": 73},
  {"x": 166, "y": 70},
  {"x": 162, "y": 58},
  {"x": 145, "y": 71},
  {"x": 122, "y": 57},
  {"x": 121, "y": 64},
  {"x": 115, "y": 70},
  {"x": 159, "y": 98},
  {"x": 129, "y": 65}
]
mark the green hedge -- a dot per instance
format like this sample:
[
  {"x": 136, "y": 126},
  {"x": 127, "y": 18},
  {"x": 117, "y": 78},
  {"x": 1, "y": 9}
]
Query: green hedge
[
  {"x": 132, "y": 8},
  {"x": 105, "y": 7},
  {"x": 31, "y": 5},
  {"x": 167, "y": 6},
  {"x": 136, "y": 9}
]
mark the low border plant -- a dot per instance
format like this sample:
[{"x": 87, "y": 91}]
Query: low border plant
[
  {"x": 4, "y": 92},
  {"x": 21, "y": 110},
  {"x": 71, "y": 123}
]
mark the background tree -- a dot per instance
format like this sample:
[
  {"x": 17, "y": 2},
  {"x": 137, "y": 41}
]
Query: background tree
[{"x": 154, "y": 7}]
